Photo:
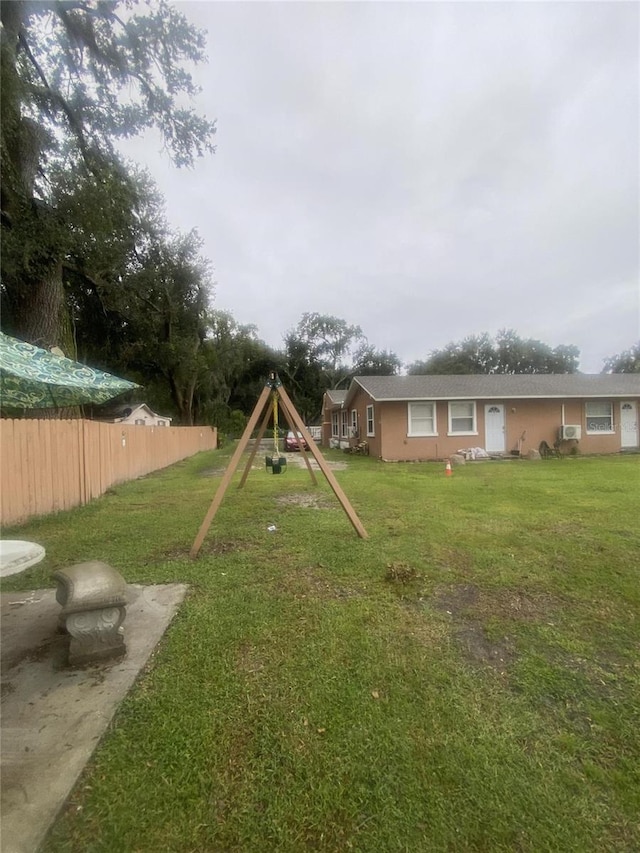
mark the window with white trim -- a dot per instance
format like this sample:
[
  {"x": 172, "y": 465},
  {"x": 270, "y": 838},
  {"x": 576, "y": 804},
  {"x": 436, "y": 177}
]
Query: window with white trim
[
  {"x": 462, "y": 418},
  {"x": 370, "y": 425},
  {"x": 599, "y": 417},
  {"x": 354, "y": 423},
  {"x": 345, "y": 424},
  {"x": 334, "y": 425},
  {"x": 422, "y": 419}
]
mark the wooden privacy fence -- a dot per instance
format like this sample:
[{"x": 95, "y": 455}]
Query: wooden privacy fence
[{"x": 52, "y": 465}]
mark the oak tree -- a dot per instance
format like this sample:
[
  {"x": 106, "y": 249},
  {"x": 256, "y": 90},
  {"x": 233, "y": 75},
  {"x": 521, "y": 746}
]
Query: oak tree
[{"x": 77, "y": 75}]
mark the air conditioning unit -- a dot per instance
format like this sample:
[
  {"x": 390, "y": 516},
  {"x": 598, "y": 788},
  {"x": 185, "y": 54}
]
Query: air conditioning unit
[{"x": 570, "y": 431}]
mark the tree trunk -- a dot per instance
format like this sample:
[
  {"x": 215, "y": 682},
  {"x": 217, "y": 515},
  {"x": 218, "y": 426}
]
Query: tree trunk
[
  {"x": 38, "y": 310},
  {"x": 34, "y": 292},
  {"x": 183, "y": 393},
  {"x": 190, "y": 393}
]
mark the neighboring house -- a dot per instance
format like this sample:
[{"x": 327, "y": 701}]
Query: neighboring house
[
  {"x": 432, "y": 417},
  {"x": 135, "y": 413}
]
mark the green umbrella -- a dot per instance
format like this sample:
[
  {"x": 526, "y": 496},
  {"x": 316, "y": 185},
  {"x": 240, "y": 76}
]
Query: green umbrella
[{"x": 33, "y": 378}]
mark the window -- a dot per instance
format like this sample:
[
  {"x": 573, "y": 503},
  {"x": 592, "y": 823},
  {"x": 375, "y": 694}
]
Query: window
[
  {"x": 599, "y": 417},
  {"x": 370, "y": 425},
  {"x": 462, "y": 418},
  {"x": 345, "y": 424},
  {"x": 422, "y": 419},
  {"x": 162, "y": 423},
  {"x": 140, "y": 421},
  {"x": 334, "y": 425},
  {"x": 354, "y": 423}
]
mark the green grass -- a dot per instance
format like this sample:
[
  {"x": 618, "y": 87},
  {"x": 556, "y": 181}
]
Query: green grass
[{"x": 466, "y": 679}]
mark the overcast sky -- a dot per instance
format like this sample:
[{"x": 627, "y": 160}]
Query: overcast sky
[{"x": 424, "y": 170}]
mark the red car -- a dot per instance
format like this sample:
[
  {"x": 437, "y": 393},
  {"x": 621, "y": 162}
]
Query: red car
[{"x": 294, "y": 440}]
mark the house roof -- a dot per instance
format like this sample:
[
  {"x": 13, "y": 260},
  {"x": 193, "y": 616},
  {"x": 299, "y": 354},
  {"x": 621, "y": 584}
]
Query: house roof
[
  {"x": 127, "y": 410},
  {"x": 336, "y": 397},
  {"x": 492, "y": 386}
]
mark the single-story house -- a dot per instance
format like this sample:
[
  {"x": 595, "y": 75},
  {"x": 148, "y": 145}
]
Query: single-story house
[
  {"x": 406, "y": 418},
  {"x": 134, "y": 413}
]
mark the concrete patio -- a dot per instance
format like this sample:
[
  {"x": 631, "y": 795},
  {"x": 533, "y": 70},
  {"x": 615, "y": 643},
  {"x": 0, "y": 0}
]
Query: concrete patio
[{"x": 53, "y": 716}]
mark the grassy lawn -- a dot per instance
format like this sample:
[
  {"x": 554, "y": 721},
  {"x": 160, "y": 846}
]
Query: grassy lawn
[{"x": 466, "y": 679}]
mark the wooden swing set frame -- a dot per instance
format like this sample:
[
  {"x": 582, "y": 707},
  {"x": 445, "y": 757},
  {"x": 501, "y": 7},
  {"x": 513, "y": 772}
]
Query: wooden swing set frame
[{"x": 274, "y": 390}]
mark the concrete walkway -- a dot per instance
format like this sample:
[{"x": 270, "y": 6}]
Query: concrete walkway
[{"x": 53, "y": 717}]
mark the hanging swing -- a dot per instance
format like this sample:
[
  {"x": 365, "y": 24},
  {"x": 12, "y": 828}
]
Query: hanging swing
[{"x": 277, "y": 463}]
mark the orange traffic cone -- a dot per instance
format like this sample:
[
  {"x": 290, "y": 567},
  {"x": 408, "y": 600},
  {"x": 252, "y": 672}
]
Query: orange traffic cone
[{"x": 448, "y": 472}]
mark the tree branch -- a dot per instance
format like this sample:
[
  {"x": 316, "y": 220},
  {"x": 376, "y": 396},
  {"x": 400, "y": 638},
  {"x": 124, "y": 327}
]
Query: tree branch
[{"x": 56, "y": 97}]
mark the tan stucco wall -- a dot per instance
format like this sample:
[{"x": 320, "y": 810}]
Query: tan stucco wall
[
  {"x": 360, "y": 402},
  {"x": 538, "y": 419}
]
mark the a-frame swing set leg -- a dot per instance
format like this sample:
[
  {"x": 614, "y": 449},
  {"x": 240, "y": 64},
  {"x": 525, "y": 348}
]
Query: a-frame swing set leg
[
  {"x": 328, "y": 473},
  {"x": 228, "y": 474},
  {"x": 295, "y": 430},
  {"x": 298, "y": 424}
]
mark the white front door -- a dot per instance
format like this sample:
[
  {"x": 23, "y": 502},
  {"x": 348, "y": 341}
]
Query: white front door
[
  {"x": 628, "y": 424},
  {"x": 494, "y": 428}
]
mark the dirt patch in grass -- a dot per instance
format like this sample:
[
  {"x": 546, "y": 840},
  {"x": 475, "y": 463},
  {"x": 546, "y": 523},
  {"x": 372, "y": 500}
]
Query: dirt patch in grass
[
  {"x": 478, "y": 648},
  {"x": 470, "y": 607},
  {"x": 306, "y": 500},
  {"x": 248, "y": 659},
  {"x": 457, "y": 600},
  {"x": 218, "y": 546},
  {"x": 298, "y": 459},
  {"x": 209, "y": 546},
  {"x": 468, "y": 600},
  {"x": 312, "y": 582}
]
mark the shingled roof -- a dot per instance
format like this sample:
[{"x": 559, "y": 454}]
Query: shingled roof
[{"x": 495, "y": 386}]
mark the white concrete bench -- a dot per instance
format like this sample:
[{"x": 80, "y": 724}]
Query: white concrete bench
[{"x": 93, "y": 599}]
